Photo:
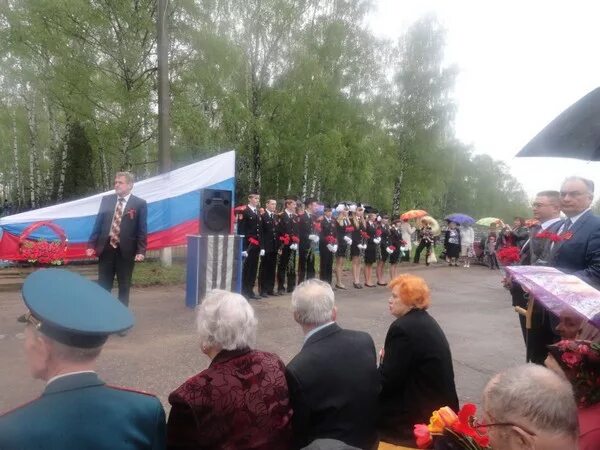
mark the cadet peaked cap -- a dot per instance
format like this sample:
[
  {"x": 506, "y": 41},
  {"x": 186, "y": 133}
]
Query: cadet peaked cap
[{"x": 71, "y": 309}]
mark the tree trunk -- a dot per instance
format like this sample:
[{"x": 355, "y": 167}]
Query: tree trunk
[
  {"x": 396, "y": 197},
  {"x": 33, "y": 152},
  {"x": 17, "y": 174},
  {"x": 305, "y": 176}
]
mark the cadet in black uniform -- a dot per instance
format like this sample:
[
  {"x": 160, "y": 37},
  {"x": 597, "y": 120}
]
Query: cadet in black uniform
[
  {"x": 249, "y": 226},
  {"x": 287, "y": 236},
  {"x": 327, "y": 245},
  {"x": 308, "y": 240},
  {"x": 268, "y": 243}
]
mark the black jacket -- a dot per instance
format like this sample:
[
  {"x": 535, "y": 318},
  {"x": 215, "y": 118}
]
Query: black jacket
[
  {"x": 269, "y": 237},
  {"x": 417, "y": 376},
  {"x": 305, "y": 229},
  {"x": 334, "y": 384},
  {"x": 249, "y": 226},
  {"x": 134, "y": 227}
]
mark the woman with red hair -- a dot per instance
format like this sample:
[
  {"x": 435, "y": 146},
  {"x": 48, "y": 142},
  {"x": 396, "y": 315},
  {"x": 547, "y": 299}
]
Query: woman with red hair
[{"x": 417, "y": 375}]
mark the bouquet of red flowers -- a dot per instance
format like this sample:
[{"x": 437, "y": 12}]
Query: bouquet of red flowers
[
  {"x": 253, "y": 241},
  {"x": 349, "y": 229},
  {"x": 547, "y": 235},
  {"x": 364, "y": 235},
  {"x": 378, "y": 232},
  {"x": 331, "y": 240},
  {"x": 460, "y": 429},
  {"x": 509, "y": 255},
  {"x": 285, "y": 239}
]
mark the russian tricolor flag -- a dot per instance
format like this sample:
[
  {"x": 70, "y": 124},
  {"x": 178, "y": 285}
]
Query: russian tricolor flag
[{"x": 173, "y": 209}]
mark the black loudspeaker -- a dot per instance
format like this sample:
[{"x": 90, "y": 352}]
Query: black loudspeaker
[{"x": 215, "y": 207}]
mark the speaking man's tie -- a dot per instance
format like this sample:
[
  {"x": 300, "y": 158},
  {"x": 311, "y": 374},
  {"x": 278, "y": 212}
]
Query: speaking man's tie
[{"x": 115, "y": 228}]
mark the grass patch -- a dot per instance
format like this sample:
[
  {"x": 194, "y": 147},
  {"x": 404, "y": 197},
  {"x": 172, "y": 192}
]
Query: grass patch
[{"x": 151, "y": 273}]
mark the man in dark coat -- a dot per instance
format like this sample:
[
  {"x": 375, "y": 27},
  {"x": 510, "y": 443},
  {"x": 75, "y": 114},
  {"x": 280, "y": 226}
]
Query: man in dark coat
[
  {"x": 535, "y": 251},
  {"x": 119, "y": 236},
  {"x": 578, "y": 251},
  {"x": 69, "y": 320},
  {"x": 333, "y": 381},
  {"x": 250, "y": 227},
  {"x": 268, "y": 243},
  {"x": 287, "y": 237},
  {"x": 327, "y": 245}
]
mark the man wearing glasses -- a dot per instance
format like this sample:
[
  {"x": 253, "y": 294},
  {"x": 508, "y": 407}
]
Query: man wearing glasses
[
  {"x": 530, "y": 408},
  {"x": 578, "y": 251}
]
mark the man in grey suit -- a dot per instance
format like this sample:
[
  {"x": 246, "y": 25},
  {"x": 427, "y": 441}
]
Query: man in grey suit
[
  {"x": 333, "y": 382},
  {"x": 119, "y": 237}
]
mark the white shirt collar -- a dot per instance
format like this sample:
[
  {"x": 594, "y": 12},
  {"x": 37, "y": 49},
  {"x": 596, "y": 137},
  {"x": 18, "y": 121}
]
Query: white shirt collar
[
  {"x": 576, "y": 218},
  {"x": 547, "y": 223},
  {"x": 314, "y": 330},
  {"x": 62, "y": 375}
]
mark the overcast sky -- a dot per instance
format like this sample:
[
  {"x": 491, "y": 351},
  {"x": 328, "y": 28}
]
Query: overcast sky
[{"x": 521, "y": 63}]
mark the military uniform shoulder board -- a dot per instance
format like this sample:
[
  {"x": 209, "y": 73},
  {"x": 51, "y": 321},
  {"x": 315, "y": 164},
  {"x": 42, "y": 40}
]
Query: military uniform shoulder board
[{"x": 126, "y": 389}]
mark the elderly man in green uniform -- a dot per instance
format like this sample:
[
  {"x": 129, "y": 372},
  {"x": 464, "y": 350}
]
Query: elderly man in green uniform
[{"x": 69, "y": 320}]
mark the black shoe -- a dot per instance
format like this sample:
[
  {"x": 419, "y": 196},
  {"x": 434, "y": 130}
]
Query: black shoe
[
  {"x": 357, "y": 285},
  {"x": 280, "y": 292},
  {"x": 339, "y": 286},
  {"x": 252, "y": 296},
  {"x": 381, "y": 284},
  {"x": 264, "y": 295},
  {"x": 273, "y": 293},
  {"x": 370, "y": 285}
]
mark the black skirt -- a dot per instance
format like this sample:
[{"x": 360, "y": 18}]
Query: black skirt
[
  {"x": 452, "y": 250},
  {"x": 371, "y": 253}
]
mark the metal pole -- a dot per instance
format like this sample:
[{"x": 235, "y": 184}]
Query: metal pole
[{"x": 164, "y": 154}]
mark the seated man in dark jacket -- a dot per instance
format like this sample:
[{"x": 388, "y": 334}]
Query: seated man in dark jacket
[{"x": 333, "y": 381}]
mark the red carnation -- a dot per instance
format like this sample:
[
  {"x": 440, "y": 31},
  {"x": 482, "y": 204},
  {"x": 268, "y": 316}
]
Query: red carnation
[
  {"x": 295, "y": 239},
  {"x": 509, "y": 255},
  {"x": 285, "y": 239},
  {"x": 253, "y": 241},
  {"x": 317, "y": 227},
  {"x": 550, "y": 236},
  {"x": 364, "y": 235},
  {"x": 378, "y": 232},
  {"x": 349, "y": 229},
  {"x": 331, "y": 240}
]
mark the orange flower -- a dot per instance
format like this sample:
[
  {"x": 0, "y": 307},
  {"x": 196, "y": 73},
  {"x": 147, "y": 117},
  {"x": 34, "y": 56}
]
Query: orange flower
[{"x": 442, "y": 418}]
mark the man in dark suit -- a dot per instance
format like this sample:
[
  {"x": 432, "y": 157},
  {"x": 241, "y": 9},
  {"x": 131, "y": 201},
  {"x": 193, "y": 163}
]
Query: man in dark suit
[
  {"x": 333, "y": 381},
  {"x": 287, "y": 237},
  {"x": 308, "y": 239},
  {"x": 268, "y": 243},
  {"x": 249, "y": 227},
  {"x": 69, "y": 320},
  {"x": 536, "y": 251},
  {"x": 327, "y": 245},
  {"x": 119, "y": 236},
  {"x": 578, "y": 251}
]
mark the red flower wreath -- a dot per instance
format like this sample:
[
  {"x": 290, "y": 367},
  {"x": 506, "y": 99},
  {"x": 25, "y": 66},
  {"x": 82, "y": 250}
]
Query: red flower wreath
[{"x": 43, "y": 251}]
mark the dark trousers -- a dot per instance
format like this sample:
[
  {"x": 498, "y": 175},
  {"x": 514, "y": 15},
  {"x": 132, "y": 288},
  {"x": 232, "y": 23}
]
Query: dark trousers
[
  {"x": 325, "y": 265},
  {"x": 266, "y": 274},
  {"x": 422, "y": 245},
  {"x": 286, "y": 269},
  {"x": 541, "y": 334},
  {"x": 250, "y": 269},
  {"x": 306, "y": 264},
  {"x": 111, "y": 263},
  {"x": 493, "y": 261}
]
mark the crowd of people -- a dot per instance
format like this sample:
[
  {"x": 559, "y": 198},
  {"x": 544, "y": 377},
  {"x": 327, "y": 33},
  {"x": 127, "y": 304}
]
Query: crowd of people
[
  {"x": 338, "y": 391},
  {"x": 279, "y": 247}
]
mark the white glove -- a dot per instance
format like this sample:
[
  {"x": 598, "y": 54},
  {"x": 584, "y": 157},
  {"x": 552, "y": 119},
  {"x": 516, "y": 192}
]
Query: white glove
[
  {"x": 362, "y": 246},
  {"x": 389, "y": 250},
  {"x": 262, "y": 252},
  {"x": 334, "y": 249},
  {"x": 348, "y": 240},
  {"x": 294, "y": 246},
  {"x": 330, "y": 248},
  {"x": 377, "y": 240},
  {"x": 314, "y": 238},
  {"x": 244, "y": 254}
]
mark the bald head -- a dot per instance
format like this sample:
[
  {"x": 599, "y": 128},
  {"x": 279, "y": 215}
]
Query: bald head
[{"x": 535, "y": 399}]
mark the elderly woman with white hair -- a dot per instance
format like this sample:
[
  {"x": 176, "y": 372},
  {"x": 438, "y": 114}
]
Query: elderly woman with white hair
[{"x": 241, "y": 400}]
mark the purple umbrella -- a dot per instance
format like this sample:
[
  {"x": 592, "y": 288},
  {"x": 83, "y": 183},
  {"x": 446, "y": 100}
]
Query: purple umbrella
[
  {"x": 461, "y": 219},
  {"x": 558, "y": 292}
]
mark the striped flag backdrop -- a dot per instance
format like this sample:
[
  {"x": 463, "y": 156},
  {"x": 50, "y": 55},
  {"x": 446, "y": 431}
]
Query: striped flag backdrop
[{"x": 213, "y": 262}]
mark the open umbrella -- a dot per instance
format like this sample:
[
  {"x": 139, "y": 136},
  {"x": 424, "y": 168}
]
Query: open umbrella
[
  {"x": 487, "y": 221},
  {"x": 413, "y": 214},
  {"x": 574, "y": 133},
  {"x": 461, "y": 219}
]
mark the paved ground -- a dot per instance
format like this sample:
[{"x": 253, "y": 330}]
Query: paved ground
[{"x": 162, "y": 350}]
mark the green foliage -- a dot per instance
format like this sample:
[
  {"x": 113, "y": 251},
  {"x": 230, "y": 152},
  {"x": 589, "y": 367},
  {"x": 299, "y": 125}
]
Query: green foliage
[{"x": 311, "y": 101}]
